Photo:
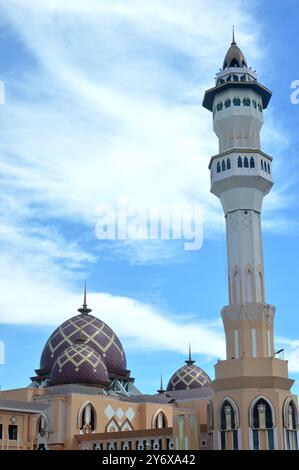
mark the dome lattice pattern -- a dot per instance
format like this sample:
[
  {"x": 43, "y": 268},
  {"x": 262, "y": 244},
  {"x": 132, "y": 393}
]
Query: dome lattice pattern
[
  {"x": 99, "y": 336},
  {"x": 79, "y": 363},
  {"x": 188, "y": 377}
]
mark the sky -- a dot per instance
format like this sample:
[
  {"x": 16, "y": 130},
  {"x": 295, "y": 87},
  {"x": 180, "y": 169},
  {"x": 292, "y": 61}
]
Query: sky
[{"x": 103, "y": 104}]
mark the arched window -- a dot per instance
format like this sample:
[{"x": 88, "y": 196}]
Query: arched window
[
  {"x": 243, "y": 78},
  {"x": 237, "y": 288},
  {"x": 240, "y": 163},
  {"x": 228, "y": 164},
  {"x": 218, "y": 167},
  {"x": 237, "y": 101},
  {"x": 290, "y": 422},
  {"x": 246, "y": 164},
  {"x": 260, "y": 297},
  {"x": 262, "y": 424},
  {"x": 254, "y": 103},
  {"x": 249, "y": 286},
  {"x": 246, "y": 101},
  {"x": 223, "y": 165},
  {"x": 262, "y": 165},
  {"x": 227, "y": 103},
  {"x": 229, "y": 425},
  {"x": 219, "y": 106},
  {"x": 235, "y": 78},
  {"x": 252, "y": 162},
  {"x": 268, "y": 168},
  {"x": 210, "y": 426},
  {"x": 159, "y": 420},
  {"x": 42, "y": 425},
  {"x": 260, "y": 108},
  {"x": 87, "y": 418}
]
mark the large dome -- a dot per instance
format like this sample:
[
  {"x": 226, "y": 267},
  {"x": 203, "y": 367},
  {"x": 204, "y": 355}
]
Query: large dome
[
  {"x": 98, "y": 336},
  {"x": 188, "y": 377},
  {"x": 79, "y": 364}
]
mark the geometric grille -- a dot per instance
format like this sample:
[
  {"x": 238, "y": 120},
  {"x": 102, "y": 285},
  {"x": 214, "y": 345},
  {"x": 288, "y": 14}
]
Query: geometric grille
[
  {"x": 188, "y": 377},
  {"x": 97, "y": 335},
  {"x": 78, "y": 355},
  {"x": 79, "y": 364}
]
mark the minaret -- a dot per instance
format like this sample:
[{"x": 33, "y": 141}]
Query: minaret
[{"x": 241, "y": 176}]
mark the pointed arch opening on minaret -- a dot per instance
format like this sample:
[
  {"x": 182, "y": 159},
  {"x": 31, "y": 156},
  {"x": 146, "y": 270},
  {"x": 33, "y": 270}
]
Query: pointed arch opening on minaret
[
  {"x": 290, "y": 424},
  {"x": 262, "y": 423},
  {"x": 237, "y": 285},
  {"x": 228, "y": 424},
  {"x": 260, "y": 286},
  {"x": 250, "y": 291}
]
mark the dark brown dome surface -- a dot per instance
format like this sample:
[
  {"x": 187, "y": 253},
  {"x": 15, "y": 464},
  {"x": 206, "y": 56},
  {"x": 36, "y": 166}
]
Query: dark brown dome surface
[
  {"x": 188, "y": 377},
  {"x": 79, "y": 364},
  {"x": 99, "y": 336}
]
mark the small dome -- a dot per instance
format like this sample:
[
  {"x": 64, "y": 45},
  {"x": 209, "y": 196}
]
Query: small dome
[
  {"x": 188, "y": 377},
  {"x": 99, "y": 336},
  {"x": 234, "y": 56},
  {"x": 79, "y": 364}
]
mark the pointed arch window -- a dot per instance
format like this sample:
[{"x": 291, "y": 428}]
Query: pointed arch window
[
  {"x": 290, "y": 422},
  {"x": 229, "y": 425},
  {"x": 268, "y": 168},
  {"x": 159, "y": 421},
  {"x": 246, "y": 163},
  {"x": 236, "y": 101},
  {"x": 237, "y": 287},
  {"x": 227, "y": 103},
  {"x": 262, "y": 424},
  {"x": 249, "y": 285},
  {"x": 228, "y": 164},
  {"x": 240, "y": 162},
  {"x": 252, "y": 162},
  {"x": 219, "y": 106},
  {"x": 223, "y": 165},
  {"x": 246, "y": 101},
  {"x": 87, "y": 419},
  {"x": 262, "y": 165},
  {"x": 218, "y": 167}
]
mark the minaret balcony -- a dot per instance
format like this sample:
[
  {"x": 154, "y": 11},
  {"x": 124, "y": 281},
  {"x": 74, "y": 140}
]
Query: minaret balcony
[{"x": 241, "y": 168}]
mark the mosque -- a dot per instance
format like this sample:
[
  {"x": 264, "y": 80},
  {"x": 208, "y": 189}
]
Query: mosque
[{"x": 84, "y": 397}]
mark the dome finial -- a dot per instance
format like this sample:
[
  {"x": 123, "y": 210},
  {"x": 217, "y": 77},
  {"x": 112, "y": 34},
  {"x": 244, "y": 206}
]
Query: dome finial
[
  {"x": 84, "y": 310},
  {"x": 161, "y": 391},
  {"x": 190, "y": 360},
  {"x": 233, "y": 38}
]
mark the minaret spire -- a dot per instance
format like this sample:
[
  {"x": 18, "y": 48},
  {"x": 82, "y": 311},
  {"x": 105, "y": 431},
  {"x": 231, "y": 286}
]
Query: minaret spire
[
  {"x": 161, "y": 391},
  {"x": 233, "y": 38},
  {"x": 189, "y": 361},
  {"x": 84, "y": 310}
]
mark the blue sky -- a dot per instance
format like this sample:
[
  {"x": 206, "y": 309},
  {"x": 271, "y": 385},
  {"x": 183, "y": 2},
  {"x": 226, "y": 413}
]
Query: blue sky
[{"x": 103, "y": 100}]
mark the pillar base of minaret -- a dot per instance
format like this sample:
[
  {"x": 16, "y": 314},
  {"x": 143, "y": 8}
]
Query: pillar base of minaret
[{"x": 249, "y": 330}]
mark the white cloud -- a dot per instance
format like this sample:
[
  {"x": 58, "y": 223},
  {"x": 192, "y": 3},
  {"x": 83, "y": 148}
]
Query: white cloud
[
  {"x": 291, "y": 352},
  {"x": 106, "y": 104},
  {"x": 44, "y": 302}
]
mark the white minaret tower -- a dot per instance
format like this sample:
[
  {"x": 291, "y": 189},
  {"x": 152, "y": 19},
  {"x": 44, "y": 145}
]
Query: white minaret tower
[{"x": 241, "y": 175}]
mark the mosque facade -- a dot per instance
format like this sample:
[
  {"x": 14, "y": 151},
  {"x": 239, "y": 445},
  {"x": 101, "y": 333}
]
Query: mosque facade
[{"x": 84, "y": 397}]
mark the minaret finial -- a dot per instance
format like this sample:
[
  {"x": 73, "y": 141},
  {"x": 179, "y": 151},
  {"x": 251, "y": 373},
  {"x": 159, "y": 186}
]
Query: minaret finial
[
  {"x": 85, "y": 310},
  {"x": 190, "y": 360},
  {"x": 161, "y": 391},
  {"x": 233, "y": 38},
  {"x": 84, "y": 301}
]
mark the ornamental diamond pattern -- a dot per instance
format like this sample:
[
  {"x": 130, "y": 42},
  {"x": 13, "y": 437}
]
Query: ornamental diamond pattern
[
  {"x": 99, "y": 336},
  {"x": 187, "y": 377},
  {"x": 79, "y": 364},
  {"x": 109, "y": 411}
]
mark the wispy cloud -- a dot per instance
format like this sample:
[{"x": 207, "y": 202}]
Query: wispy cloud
[{"x": 107, "y": 103}]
